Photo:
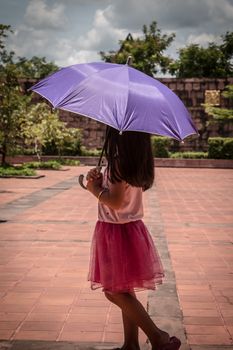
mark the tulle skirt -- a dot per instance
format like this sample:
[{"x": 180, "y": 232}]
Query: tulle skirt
[{"x": 124, "y": 258}]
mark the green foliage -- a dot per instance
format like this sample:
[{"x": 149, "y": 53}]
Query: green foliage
[
  {"x": 221, "y": 115},
  {"x": 228, "y": 93},
  {"x": 67, "y": 161},
  {"x": 189, "y": 155},
  {"x": 220, "y": 148},
  {"x": 16, "y": 171},
  {"x": 47, "y": 134},
  {"x": 5, "y": 56},
  {"x": 160, "y": 145},
  {"x": 215, "y": 61},
  {"x": 51, "y": 164},
  {"x": 90, "y": 152},
  {"x": 147, "y": 51},
  {"x": 13, "y": 103},
  {"x": 36, "y": 67},
  {"x": 67, "y": 142}
]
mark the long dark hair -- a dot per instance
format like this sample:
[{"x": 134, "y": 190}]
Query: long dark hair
[{"x": 129, "y": 157}]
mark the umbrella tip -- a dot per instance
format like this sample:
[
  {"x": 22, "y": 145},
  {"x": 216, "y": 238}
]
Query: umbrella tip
[{"x": 129, "y": 60}]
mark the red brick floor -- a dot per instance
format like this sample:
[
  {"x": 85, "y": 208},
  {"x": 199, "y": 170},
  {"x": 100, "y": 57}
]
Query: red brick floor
[
  {"x": 44, "y": 293},
  {"x": 197, "y": 211},
  {"x": 44, "y": 258}
]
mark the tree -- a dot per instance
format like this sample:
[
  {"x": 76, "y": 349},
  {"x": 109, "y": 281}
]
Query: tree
[
  {"x": 12, "y": 112},
  {"x": 42, "y": 129},
  {"x": 215, "y": 61},
  {"x": 36, "y": 67},
  {"x": 13, "y": 103},
  {"x": 147, "y": 51}
]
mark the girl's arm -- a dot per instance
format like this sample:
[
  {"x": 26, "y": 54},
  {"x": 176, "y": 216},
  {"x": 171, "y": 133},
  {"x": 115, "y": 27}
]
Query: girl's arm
[{"x": 113, "y": 197}]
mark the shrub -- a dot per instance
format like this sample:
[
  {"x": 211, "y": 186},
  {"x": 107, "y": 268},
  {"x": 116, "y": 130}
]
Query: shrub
[
  {"x": 189, "y": 155},
  {"x": 66, "y": 161},
  {"x": 51, "y": 164},
  {"x": 90, "y": 152},
  {"x": 227, "y": 149},
  {"x": 160, "y": 146},
  {"x": 67, "y": 144},
  {"x": 16, "y": 171},
  {"x": 220, "y": 148}
]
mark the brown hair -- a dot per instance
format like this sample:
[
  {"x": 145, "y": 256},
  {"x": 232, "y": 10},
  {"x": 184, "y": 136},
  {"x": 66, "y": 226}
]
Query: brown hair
[{"x": 129, "y": 157}]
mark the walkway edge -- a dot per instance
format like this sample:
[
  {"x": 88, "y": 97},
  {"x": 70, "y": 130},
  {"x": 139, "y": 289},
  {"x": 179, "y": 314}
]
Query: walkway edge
[{"x": 159, "y": 162}]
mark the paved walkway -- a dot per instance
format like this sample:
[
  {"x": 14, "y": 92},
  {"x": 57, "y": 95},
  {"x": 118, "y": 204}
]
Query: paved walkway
[{"x": 45, "y": 300}]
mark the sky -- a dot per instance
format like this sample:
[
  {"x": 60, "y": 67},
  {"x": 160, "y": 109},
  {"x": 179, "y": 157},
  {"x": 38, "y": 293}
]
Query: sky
[{"x": 75, "y": 31}]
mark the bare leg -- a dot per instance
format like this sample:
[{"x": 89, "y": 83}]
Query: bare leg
[
  {"x": 134, "y": 311},
  {"x": 130, "y": 334}
]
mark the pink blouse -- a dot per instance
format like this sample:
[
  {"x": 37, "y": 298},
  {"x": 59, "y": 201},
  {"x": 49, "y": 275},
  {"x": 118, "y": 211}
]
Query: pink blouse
[{"x": 130, "y": 210}]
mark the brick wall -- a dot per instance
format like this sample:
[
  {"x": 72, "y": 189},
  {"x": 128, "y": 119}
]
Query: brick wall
[{"x": 191, "y": 92}]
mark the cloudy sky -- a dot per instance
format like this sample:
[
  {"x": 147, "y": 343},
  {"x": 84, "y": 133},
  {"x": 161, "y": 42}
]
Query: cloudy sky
[{"x": 74, "y": 31}]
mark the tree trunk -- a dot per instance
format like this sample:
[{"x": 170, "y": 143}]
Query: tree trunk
[{"x": 4, "y": 152}]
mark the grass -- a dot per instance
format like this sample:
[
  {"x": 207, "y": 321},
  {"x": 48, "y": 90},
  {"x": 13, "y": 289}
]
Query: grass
[
  {"x": 29, "y": 169},
  {"x": 10, "y": 170}
]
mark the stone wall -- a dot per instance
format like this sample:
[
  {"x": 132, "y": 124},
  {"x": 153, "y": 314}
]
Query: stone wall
[{"x": 192, "y": 93}]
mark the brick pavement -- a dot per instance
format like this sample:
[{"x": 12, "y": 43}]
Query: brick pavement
[
  {"x": 197, "y": 213},
  {"x": 44, "y": 257}
]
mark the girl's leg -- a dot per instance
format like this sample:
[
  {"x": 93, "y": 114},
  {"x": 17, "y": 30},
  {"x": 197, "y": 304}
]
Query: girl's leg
[
  {"x": 130, "y": 334},
  {"x": 135, "y": 311},
  {"x": 130, "y": 331}
]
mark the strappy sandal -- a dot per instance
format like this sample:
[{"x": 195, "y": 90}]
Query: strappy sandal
[{"x": 174, "y": 344}]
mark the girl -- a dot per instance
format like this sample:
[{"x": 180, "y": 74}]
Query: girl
[{"x": 123, "y": 256}]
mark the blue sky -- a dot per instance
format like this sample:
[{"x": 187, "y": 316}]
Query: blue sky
[{"x": 74, "y": 31}]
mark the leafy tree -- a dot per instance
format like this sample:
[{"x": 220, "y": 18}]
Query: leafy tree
[
  {"x": 215, "y": 61},
  {"x": 147, "y": 51},
  {"x": 13, "y": 103},
  {"x": 36, "y": 67},
  {"x": 42, "y": 129},
  {"x": 12, "y": 112},
  {"x": 5, "y": 56}
]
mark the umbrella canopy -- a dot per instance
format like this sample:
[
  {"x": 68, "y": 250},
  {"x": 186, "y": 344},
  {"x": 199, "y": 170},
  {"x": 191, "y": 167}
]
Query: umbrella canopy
[{"x": 119, "y": 96}]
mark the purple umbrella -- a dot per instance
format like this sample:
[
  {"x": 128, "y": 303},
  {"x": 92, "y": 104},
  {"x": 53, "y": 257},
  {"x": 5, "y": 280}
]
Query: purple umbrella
[{"x": 119, "y": 96}]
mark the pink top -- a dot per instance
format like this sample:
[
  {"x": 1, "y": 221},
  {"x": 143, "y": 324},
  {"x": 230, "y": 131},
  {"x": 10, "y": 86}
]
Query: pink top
[{"x": 130, "y": 210}]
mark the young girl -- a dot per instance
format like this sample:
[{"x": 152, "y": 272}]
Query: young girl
[{"x": 123, "y": 257}]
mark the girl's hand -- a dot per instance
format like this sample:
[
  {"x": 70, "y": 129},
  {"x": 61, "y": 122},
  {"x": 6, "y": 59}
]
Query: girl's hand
[
  {"x": 94, "y": 180},
  {"x": 94, "y": 174}
]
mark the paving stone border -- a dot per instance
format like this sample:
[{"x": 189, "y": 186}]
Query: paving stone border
[
  {"x": 163, "y": 304},
  {"x": 17, "y": 206}
]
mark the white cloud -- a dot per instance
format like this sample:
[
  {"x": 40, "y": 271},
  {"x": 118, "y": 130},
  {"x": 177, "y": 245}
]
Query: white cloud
[
  {"x": 67, "y": 53},
  {"x": 203, "y": 39},
  {"x": 40, "y": 15},
  {"x": 74, "y": 31},
  {"x": 103, "y": 34},
  {"x": 28, "y": 41}
]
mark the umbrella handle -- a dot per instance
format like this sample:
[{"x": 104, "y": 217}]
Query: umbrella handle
[{"x": 80, "y": 180}]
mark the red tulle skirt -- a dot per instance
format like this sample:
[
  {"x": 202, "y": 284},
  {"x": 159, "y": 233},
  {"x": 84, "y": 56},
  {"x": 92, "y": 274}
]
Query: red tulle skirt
[{"x": 124, "y": 258}]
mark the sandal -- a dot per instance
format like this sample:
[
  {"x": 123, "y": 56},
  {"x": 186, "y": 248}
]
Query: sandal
[{"x": 174, "y": 344}]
